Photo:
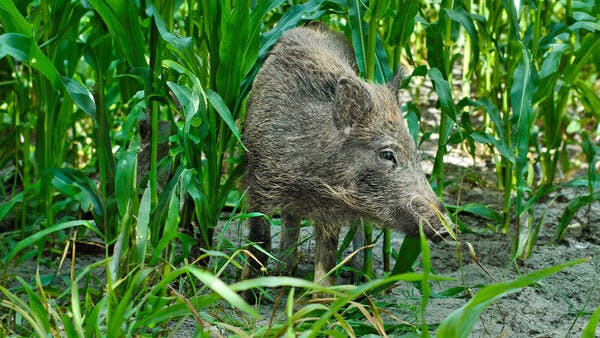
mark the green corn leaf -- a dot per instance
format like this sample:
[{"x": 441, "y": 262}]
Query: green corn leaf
[
  {"x": 436, "y": 50},
  {"x": 499, "y": 144},
  {"x": 589, "y": 98},
  {"x": 460, "y": 322},
  {"x": 38, "y": 310},
  {"x": 407, "y": 255},
  {"x": 27, "y": 242},
  {"x": 359, "y": 33},
  {"x": 170, "y": 230},
  {"x": 12, "y": 20},
  {"x": 17, "y": 305},
  {"x": 74, "y": 184},
  {"x": 234, "y": 31},
  {"x": 141, "y": 228},
  {"x": 521, "y": 93},
  {"x": 356, "y": 16},
  {"x": 182, "y": 46},
  {"x": 553, "y": 56},
  {"x": 309, "y": 10},
  {"x": 514, "y": 17},
  {"x": 404, "y": 23},
  {"x": 81, "y": 96},
  {"x": 7, "y": 207},
  {"x": 22, "y": 48},
  {"x": 464, "y": 19},
  {"x": 254, "y": 34},
  {"x": 480, "y": 210},
  {"x": 122, "y": 21},
  {"x": 442, "y": 89},
  {"x": 217, "y": 102},
  {"x": 589, "y": 45},
  {"x": 125, "y": 185},
  {"x": 567, "y": 215},
  {"x": 377, "y": 10}
]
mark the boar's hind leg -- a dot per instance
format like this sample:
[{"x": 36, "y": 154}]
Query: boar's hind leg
[
  {"x": 289, "y": 242},
  {"x": 326, "y": 241},
  {"x": 260, "y": 234}
]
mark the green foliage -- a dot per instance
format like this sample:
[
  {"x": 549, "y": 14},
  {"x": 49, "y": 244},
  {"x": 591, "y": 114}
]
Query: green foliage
[{"x": 87, "y": 87}]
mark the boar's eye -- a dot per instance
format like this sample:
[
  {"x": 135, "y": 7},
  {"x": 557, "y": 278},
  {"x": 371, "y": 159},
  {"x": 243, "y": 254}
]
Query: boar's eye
[{"x": 388, "y": 155}]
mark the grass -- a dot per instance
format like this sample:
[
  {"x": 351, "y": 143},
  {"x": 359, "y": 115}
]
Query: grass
[{"x": 86, "y": 87}]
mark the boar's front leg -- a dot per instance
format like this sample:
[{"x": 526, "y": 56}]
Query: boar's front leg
[
  {"x": 289, "y": 242},
  {"x": 326, "y": 242}
]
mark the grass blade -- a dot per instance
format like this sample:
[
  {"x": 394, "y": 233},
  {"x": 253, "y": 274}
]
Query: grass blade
[{"x": 589, "y": 331}]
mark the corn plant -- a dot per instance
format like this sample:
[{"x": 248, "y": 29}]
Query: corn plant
[{"x": 87, "y": 87}]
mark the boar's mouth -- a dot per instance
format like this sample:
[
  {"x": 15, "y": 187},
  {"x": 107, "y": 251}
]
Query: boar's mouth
[{"x": 427, "y": 213}]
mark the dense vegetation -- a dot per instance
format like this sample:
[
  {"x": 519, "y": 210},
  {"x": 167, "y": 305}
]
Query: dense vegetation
[{"x": 120, "y": 124}]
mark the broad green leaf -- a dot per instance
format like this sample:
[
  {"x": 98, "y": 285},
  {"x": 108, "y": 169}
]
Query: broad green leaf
[
  {"x": 500, "y": 145},
  {"x": 141, "y": 228},
  {"x": 5, "y": 208},
  {"x": 234, "y": 33},
  {"x": 74, "y": 184},
  {"x": 464, "y": 19},
  {"x": 217, "y": 102},
  {"x": 358, "y": 27},
  {"x": 81, "y": 96},
  {"x": 404, "y": 23},
  {"x": 480, "y": 210},
  {"x": 359, "y": 30},
  {"x": 38, "y": 310},
  {"x": 521, "y": 93},
  {"x": 306, "y": 11},
  {"x": 182, "y": 46},
  {"x": 16, "y": 304},
  {"x": 407, "y": 255},
  {"x": 436, "y": 50},
  {"x": 12, "y": 20},
  {"x": 460, "y": 322},
  {"x": 567, "y": 215},
  {"x": 442, "y": 89},
  {"x": 553, "y": 56},
  {"x": 125, "y": 184},
  {"x": 589, "y": 98},
  {"x": 494, "y": 114},
  {"x": 589, "y": 45},
  {"x": 122, "y": 21},
  {"x": 514, "y": 14},
  {"x": 22, "y": 48},
  {"x": 170, "y": 229}
]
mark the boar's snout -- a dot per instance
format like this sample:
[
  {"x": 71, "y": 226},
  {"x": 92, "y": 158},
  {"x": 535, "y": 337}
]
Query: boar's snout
[{"x": 432, "y": 216}]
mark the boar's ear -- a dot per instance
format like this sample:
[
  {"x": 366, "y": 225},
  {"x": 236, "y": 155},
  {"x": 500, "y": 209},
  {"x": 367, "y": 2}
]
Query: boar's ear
[
  {"x": 352, "y": 104},
  {"x": 396, "y": 82}
]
